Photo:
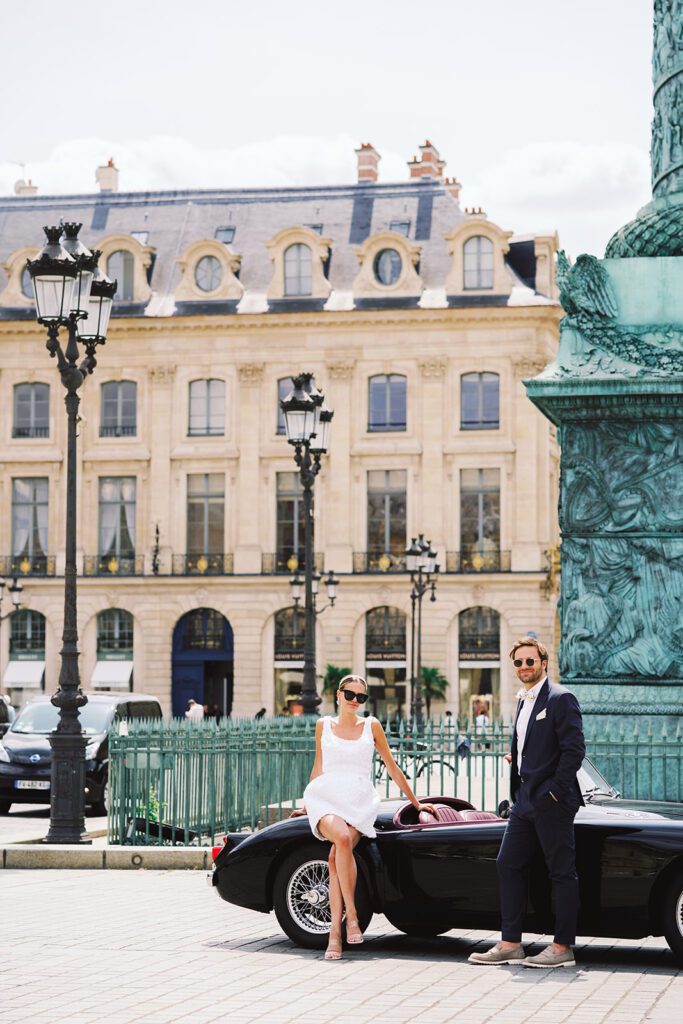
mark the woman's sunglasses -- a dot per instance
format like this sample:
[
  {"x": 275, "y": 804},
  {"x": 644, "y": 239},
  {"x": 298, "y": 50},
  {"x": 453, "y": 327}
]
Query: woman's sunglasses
[
  {"x": 518, "y": 662},
  {"x": 350, "y": 695}
]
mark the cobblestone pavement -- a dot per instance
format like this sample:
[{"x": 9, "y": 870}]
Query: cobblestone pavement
[
  {"x": 147, "y": 947},
  {"x": 28, "y": 823}
]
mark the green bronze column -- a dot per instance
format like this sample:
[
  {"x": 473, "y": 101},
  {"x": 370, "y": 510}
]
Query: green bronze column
[{"x": 615, "y": 392}]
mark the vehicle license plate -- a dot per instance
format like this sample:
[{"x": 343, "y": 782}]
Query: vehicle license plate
[{"x": 31, "y": 784}]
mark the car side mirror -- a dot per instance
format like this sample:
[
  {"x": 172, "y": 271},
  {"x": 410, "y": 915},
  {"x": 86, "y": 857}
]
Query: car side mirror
[{"x": 504, "y": 809}]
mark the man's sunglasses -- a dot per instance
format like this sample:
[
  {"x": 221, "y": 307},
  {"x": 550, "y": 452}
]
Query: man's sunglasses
[
  {"x": 350, "y": 695},
  {"x": 518, "y": 662}
]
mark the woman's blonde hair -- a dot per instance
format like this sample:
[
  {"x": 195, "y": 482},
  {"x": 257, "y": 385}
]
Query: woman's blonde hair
[{"x": 352, "y": 679}]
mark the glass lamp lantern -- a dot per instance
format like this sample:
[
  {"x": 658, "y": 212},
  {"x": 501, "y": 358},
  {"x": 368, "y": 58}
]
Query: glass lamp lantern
[
  {"x": 412, "y": 555},
  {"x": 86, "y": 261},
  {"x": 320, "y": 441},
  {"x": 299, "y": 411},
  {"x": 331, "y": 583},
  {"x": 16, "y": 591},
  {"x": 53, "y": 275},
  {"x": 296, "y": 583},
  {"x": 94, "y": 327}
]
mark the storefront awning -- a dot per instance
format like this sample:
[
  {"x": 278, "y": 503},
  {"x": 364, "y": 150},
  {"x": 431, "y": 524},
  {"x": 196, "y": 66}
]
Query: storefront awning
[
  {"x": 24, "y": 673},
  {"x": 114, "y": 675}
]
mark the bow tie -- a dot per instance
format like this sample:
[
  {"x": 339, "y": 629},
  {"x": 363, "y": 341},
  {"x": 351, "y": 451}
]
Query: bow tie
[{"x": 526, "y": 695}]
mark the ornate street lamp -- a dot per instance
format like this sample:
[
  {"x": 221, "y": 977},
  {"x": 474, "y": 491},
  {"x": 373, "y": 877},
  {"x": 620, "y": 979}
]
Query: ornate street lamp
[
  {"x": 423, "y": 568},
  {"x": 307, "y": 424},
  {"x": 70, "y": 294},
  {"x": 15, "y": 590}
]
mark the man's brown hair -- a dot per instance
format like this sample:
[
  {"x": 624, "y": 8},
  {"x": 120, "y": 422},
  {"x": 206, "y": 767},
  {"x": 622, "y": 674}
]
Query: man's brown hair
[{"x": 530, "y": 641}]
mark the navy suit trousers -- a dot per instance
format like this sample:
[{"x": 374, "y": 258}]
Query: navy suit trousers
[{"x": 551, "y": 825}]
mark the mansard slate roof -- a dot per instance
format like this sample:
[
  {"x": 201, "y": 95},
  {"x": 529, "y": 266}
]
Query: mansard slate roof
[{"x": 346, "y": 214}]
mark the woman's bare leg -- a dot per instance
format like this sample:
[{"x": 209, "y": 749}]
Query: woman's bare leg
[
  {"x": 336, "y": 906},
  {"x": 344, "y": 838}
]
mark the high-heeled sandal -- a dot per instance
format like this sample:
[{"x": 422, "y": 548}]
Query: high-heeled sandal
[
  {"x": 334, "y": 950},
  {"x": 357, "y": 938}
]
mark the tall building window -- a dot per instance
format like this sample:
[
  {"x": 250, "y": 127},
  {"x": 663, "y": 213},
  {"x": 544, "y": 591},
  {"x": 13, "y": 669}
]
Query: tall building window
[
  {"x": 27, "y": 635},
  {"x": 386, "y": 519},
  {"x": 479, "y": 519},
  {"x": 121, "y": 268},
  {"x": 207, "y": 407},
  {"x": 478, "y": 262},
  {"x": 29, "y": 524},
  {"x": 284, "y": 387},
  {"x": 31, "y": 410},
  {"x": 117, "y": 522},
  {"x": 114, "y": 634},
  {"x": 385, "y": 660},
  {"x": 290, "y": 523},
  {"x": 205, "y": 513},
  {"x": 479, "y": 663},
  {"x": 387, "y": 402},
  {"x": 119, "y": 409},
  {"x": 298, "y": 270},
  {"x": 479, "y": 401}
]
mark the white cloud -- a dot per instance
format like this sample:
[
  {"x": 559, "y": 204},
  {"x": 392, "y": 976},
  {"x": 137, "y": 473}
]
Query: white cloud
[{"x": 585, "y": 192}]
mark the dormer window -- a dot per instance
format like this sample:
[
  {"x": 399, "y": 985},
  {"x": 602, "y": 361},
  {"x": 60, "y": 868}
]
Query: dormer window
[
  {"x": 478, "y": 262},
  {"x": 298, "y": 270},
  {"x": 121, "y": 268},
  {"x": 208, "y": 273},
  {"x": 388, "y": 266}
]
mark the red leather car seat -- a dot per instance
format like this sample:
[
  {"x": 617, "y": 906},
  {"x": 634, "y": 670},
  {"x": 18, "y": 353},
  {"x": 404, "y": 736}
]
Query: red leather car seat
[
  {"x": 444, "y": 814},
  {"x": 479, "y": 816}
]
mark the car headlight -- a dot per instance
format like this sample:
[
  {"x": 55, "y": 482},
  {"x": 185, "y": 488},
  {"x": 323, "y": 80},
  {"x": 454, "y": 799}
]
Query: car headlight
[{"x": 4, "y": 754}]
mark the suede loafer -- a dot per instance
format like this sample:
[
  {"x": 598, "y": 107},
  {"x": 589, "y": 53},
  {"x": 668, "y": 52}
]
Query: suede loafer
[
  {"x": 549, "y": 957},
  {"x": 497, "y": 955}
]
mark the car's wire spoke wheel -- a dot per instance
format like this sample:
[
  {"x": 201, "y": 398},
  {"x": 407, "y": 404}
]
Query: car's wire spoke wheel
[
  {"x": 308, "y": 897},
  {"x": 679, "y": 914}
]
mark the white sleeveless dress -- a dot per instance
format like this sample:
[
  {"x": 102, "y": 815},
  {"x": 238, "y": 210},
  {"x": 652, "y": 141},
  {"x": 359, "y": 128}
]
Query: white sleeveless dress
[{"x": 345, "y": 787}]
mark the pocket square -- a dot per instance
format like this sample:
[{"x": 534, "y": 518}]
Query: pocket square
[{"x": 541, "y": 715}]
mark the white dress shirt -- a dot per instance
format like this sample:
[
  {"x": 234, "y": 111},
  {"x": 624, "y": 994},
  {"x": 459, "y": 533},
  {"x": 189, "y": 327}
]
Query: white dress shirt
[{"x": 523, "y": 719}]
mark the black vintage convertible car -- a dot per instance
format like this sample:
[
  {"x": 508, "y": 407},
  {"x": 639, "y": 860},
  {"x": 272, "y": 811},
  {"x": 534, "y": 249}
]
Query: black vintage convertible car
[{"x": 430, "y": 877}]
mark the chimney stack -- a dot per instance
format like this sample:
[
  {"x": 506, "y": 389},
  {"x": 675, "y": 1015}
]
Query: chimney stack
[
  {"x": 25, "y": 188},
  {"x": 453, "y": 187},
  {"x": 430, "y": 165},
  {"x": 107, "y": 176},
  {"x": 368, "y": 163}
]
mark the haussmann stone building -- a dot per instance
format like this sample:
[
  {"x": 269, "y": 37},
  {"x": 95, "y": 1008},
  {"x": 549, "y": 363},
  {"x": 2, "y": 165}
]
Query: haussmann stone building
[{"x": 419, "y": 319}]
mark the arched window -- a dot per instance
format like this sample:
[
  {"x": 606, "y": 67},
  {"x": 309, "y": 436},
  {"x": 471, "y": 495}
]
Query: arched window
[
  {"x": 298, "y": 270},
  {"x": 114, "y": 634},
  {"x": 385, "y": 660},
  {"x": 479, "y": 401},
  {"x": 207, "y": 408},
  {"x": 387, "y": 402},
  {"x": 478, "y": 262},
  {"x": 121, "y": 268},
  {"x": 31, "y": 410},
  {"x": 479, "y": 662},
  {"x": 288, "y": 660},
  {"x": 119, "y": 409}
]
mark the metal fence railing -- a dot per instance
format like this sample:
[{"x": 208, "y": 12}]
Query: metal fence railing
[{"x": 183, "y": 782}]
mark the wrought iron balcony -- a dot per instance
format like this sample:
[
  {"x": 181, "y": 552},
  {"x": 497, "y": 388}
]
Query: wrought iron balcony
[
  {"x": 379, "y": 560},
  {"x": 113, "y": 565},
  {"x": 288, "y": 562},
  {"x": 27, "y": 565},
  {"x": 477, "y": 561},
  {"x": 129, "y": 430},
  {"x": 30, "y": 431},
  {"x": 203, "y": 564}
]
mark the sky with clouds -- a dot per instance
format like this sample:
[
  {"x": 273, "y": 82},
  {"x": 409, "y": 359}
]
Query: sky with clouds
[{"x": 541, "y": 108}]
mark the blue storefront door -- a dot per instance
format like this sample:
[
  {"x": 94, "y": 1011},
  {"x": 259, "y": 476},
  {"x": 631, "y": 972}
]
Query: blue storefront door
[{"x": 188, "y": 681}]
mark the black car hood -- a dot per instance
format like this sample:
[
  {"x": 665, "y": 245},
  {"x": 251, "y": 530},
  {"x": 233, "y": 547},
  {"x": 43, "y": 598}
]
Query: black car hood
[
  {"x": 22, "y": 745},
  {"x": 632, "y": 810}
]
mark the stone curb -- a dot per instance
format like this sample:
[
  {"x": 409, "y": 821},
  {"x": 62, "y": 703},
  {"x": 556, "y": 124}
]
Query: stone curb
[{"x": 159, "y": 858}]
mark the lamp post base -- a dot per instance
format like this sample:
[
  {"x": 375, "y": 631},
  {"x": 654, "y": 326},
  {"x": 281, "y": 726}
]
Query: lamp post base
[{"x": 67, "y": 810}]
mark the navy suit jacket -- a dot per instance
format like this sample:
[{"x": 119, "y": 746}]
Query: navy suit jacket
[{"x": 554, "y": 747}]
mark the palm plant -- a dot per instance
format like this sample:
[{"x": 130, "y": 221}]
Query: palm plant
[
  {"x": 434, "y": 686},
  {"x": 332, "y": 678}
]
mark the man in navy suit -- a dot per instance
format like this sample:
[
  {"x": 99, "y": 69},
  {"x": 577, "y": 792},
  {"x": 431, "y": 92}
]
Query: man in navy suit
[{"x": 547, "y": 750}]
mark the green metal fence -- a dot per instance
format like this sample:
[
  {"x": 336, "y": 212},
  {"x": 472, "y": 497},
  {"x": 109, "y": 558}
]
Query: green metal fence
[{"x": 182, "y": 782}]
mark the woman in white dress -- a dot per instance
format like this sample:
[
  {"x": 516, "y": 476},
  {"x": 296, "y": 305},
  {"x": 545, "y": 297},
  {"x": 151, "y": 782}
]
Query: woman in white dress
[{"x": 341, "y": 801}]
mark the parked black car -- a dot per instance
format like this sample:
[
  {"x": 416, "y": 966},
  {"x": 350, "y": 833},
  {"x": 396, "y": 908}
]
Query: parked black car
[
  {"x": 26, "y": 757},
  {"x": 429, "y": 878}
]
